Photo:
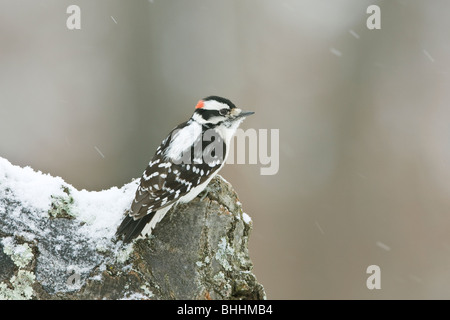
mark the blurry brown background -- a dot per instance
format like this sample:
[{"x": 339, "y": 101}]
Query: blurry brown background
[{"x": 364, "y": 120}]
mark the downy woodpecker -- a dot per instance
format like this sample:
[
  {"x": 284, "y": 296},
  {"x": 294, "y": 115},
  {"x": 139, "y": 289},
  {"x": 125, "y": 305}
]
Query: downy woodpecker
[{"x": 183, "y": 165}]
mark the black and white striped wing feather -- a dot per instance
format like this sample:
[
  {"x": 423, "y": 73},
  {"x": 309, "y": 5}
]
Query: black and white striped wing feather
[{"x": 165, "y": 181}]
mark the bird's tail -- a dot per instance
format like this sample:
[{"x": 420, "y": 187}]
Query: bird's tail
[{"x": 131, "y": 228}]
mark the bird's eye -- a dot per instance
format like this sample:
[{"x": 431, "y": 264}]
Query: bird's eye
[{"x": 223, "y": 112}]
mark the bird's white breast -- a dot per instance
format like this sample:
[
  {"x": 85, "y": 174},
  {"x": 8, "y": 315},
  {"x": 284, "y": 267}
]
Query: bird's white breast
[{"x": 182, "y": 140}]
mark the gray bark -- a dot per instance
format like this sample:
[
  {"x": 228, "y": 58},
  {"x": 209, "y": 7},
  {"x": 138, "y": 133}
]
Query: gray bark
[{"x": 198, "y": 251}]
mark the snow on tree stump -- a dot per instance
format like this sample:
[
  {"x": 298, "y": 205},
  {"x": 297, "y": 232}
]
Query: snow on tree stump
[{"x": 57, "y": 242}]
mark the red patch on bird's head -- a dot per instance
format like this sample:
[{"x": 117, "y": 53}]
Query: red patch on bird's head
[{"x": 199, "y": 105}]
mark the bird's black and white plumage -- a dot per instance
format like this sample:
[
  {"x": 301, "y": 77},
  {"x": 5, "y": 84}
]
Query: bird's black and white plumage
[{"x": 185, "y": 162}]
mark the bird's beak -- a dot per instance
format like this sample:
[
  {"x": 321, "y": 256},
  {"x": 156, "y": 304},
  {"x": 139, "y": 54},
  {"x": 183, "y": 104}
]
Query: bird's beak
[
  {"x": 245, "y": 113},
  {"x": 238, "y": 113}
]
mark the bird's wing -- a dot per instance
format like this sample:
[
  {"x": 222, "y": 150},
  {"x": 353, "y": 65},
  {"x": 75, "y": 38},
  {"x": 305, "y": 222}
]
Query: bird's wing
[{"x": 165, "y": 181}]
